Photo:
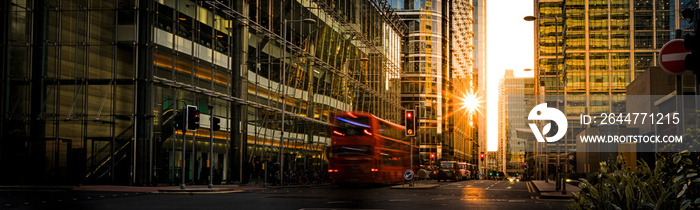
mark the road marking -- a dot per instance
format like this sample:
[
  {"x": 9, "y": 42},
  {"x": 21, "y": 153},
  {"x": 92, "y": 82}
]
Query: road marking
[
  {"x": 399, "y": 200},
  {"x": 212, "y": 192},
  {"x": 516, "y": 201},
  {"x": 331, "y": 202},
  {"x": 530, "y": 188}
]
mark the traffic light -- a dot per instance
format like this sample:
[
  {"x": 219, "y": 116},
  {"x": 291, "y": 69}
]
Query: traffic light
[
  {"x": 215, "y": 125},
  {"x": 177, "y": 120},
  {"x": 692, "y": 41},
  {"x": 410, "y": 122},
  {"x": 432, "y": 155},
  {"x": 482, "y": 156},
  {"x": 192, "y": 120}
]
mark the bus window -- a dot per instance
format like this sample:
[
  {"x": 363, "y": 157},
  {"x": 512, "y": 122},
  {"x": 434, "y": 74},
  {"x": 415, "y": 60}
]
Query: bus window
[
  {"x": 352, "y": 151},
  {"x": 390, "y": 158},
  {"x": 448, "y": 164},
  {"x": 351, "y": 126}
]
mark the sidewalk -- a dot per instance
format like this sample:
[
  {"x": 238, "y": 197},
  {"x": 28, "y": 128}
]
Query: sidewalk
[
  {"x": 146, "y": 189},
  {"x": 547, "y": 190}
]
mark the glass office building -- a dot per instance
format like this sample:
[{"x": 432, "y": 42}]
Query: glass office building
[
  {"x": 608, "y": 44},
  {"x": 438, "y": 60},
  {"x": 517, "y": 94},
  {"x": 90, "y": 87}
]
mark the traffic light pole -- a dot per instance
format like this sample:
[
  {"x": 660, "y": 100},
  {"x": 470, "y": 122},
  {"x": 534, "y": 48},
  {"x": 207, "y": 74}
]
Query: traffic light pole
[
  {"x": 211, "y": 145},
  {"x": 411, "y": 166},
  {"x": 182, "y": 184}
]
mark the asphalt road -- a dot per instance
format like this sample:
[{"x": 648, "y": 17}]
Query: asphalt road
[{"x": 482, "y": 194}]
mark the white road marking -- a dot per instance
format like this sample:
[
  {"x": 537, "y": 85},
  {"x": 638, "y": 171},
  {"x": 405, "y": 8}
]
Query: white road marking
[
  {"x": 399, "y": 200},
  {"x": 339, "y": 202}
]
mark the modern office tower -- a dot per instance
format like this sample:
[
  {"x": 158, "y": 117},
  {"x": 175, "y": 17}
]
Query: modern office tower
[
  {"x": 436, "y": 71},
  {"x": 463, "y": 84},
  {"x": 479, "y": 41},
  {"x": 608, "y": 44},
  {"x": 500, "y": 153},
  {"x": 518, "y": 98},
  {"x": 90, "y": 88}
]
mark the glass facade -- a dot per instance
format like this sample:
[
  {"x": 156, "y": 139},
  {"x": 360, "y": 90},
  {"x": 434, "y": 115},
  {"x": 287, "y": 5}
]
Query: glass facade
[
  {"x": 438, "y": 57},
  {"x": 607, "y": 44},
  {"x": 517, "y": 94},
  {"x": 90, "y": 87}
]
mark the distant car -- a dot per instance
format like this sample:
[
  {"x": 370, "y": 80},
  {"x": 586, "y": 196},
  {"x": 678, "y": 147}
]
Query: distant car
[
  {"x": 432, "y": 173},
  {"x": 449, "y": 171},
  {"x": 448, "y": 174}
]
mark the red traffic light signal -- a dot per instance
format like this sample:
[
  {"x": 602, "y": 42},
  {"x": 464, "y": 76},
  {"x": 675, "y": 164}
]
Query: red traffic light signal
[
  {"x": 410, "y": 122},
  {"x": 482, "y": 156},
  {"x": 432, "y": 155}
]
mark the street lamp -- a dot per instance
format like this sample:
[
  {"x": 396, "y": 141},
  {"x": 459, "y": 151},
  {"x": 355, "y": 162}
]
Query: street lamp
[
  {"x": 284, "y": 92},
  {"x": 556, "y": 33},
  {"x": 556, "y": 54}
]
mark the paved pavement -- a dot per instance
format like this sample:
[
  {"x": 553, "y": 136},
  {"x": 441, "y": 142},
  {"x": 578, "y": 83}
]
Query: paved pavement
[
  {"x": 117, "y": 188},
  {"x": 548, "y": 190}
]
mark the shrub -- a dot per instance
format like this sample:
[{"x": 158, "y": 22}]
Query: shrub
[{"x": 672, "y": 184}]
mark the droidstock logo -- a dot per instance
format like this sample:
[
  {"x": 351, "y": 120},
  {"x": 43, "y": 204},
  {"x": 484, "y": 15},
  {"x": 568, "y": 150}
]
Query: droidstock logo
[{"x": 542, "y": 112}]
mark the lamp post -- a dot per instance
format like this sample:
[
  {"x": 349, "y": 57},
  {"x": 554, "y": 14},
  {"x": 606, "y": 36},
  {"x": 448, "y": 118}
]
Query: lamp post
[
  {"x": 284, "y": 90},
  {"x": 556, "y": 33}
]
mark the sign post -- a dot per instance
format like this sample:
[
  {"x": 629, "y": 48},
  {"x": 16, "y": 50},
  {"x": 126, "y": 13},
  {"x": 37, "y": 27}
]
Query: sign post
[
  {"x": 672, "y": 60},
  {"x": 408, "y": 174}
]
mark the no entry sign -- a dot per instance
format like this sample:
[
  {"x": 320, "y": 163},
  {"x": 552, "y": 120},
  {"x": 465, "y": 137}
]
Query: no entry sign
[{"x": 672, "y": 57}]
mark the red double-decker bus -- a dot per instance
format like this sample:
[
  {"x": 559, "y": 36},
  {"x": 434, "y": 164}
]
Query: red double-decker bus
[{"x": 368, "y": 149}]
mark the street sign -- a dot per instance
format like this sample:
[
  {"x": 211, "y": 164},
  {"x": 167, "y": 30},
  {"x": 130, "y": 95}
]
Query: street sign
[
  {"x": 408, "y": 174},
  {"x": 672, "y": 57}
]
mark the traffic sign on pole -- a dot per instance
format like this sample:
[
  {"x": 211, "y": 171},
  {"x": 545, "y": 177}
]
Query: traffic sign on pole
[
  {"x": 408, "y": 174},
  {"x": 672, "y": 57}
]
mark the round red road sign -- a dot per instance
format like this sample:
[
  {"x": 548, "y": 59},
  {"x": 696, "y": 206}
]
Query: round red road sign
[{"x": 672, "y": 57}]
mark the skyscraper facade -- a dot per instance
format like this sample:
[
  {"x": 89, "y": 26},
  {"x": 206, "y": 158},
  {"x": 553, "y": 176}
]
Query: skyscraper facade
[
  {"x": 438, "y": 60},
  {"x": 608, "y": 44},
  {"x": 517, "y": 94},
  {"x": 90, "y": 88}
]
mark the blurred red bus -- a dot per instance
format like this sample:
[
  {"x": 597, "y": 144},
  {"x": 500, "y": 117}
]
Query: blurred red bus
[{"x": 368, "y": 149}]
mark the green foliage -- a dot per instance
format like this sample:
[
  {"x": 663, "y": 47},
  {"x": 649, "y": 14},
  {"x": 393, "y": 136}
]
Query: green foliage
[{"x": 672, "y": 184}]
